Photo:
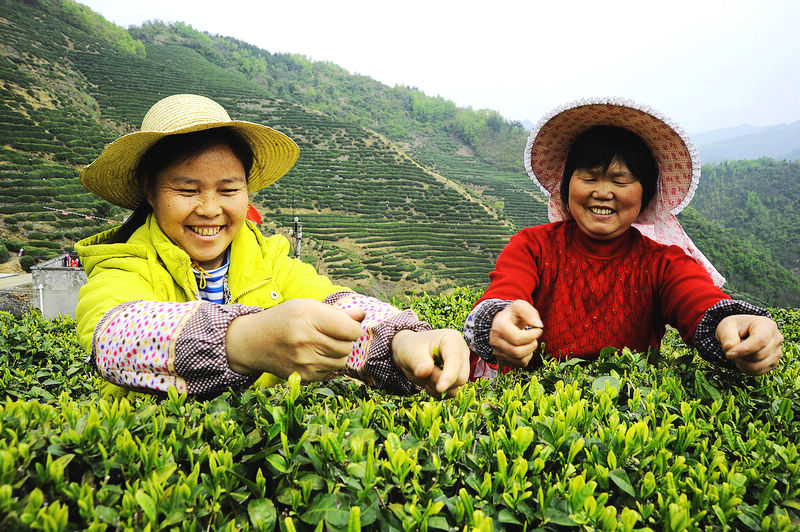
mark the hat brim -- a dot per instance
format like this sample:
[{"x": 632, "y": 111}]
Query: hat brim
[
  {"x": 112, "y": 176},
  {"x": 675, "y": 153}
]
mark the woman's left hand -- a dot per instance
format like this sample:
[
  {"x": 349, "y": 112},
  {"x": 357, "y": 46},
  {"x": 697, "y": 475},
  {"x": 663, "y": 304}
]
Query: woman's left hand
[
  {"x": 413, "y": 352},
  {"x": 752, "y": 342}
]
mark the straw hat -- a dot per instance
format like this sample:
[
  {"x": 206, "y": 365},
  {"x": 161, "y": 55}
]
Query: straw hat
[
  {"x": 112, "y": 176},
  {"x": 677, "y": 157}
]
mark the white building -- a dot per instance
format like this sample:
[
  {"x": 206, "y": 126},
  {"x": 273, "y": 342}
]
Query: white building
[{"x": 56, "y": 283}]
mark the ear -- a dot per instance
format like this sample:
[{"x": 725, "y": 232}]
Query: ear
[{"x": 147, "y": 191}]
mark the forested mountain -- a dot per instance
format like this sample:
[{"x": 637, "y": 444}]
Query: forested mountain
[
  {"x": 744, "y": 260},
  {"x": 759, "y": 199},
  {"x": 396, "y": 190}
]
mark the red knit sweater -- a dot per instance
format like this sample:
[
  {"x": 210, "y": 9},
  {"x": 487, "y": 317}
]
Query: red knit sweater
[{"x": 592, "y": 294}]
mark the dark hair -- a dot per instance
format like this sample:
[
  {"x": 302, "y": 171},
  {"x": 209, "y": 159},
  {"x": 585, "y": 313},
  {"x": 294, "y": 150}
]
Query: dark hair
[
  {"x": 170, "y": 150},
  {"x": 601, "y": 146}
]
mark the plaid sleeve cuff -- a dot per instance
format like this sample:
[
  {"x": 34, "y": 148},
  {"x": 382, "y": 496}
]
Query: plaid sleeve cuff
[
  {"x": 200, "y": 355},
  {"x": 371, "y": 359},
  {"x": 705, "y": 336},
  {"x": 479, "y": 324},
  {"x": 379, "y": 369}
]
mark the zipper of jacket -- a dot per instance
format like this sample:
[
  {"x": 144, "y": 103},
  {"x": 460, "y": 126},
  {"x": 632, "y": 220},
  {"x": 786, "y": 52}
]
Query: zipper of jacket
[
  {"x": 186, "y": 285},
  {"x": 264, "y": 283}
]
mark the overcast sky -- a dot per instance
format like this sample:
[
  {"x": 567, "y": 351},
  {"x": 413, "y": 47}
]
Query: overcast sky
[{"x": 706, "y": 64}]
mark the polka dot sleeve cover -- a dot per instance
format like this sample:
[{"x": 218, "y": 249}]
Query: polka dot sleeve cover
[
  {"x": 151, "y": 345},
  {"x": 371, "y": 358}
]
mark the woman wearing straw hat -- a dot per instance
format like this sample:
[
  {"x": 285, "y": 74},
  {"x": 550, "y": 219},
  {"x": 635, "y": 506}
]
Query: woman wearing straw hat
[
  {"x": 614, "y": 266},
  {"x": 188, "y": 293}
]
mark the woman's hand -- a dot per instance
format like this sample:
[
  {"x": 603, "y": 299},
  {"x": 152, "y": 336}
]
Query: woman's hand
[
  {"x": 515, "y": 334},
  {"x": 412, "y": 352},
  {"x": 752, "y": 342},
  {"x": 302, "y": 335}
]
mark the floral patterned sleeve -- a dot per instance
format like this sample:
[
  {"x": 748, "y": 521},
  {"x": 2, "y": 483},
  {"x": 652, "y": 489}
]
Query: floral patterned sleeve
[
  {"x": 151, "y": 345},
  {"x": 371, "y": 358}
]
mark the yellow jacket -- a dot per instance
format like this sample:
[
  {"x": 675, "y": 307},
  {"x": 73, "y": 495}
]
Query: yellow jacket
[{"x": 150, "y": 267}]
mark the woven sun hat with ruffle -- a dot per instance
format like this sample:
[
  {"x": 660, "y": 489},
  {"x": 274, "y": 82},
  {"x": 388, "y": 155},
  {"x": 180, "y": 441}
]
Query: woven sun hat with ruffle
[
  {"x": 112, "y": 176},
  {"x": 677, "y": 157}
]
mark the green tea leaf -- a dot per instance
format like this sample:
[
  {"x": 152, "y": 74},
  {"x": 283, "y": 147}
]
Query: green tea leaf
[
  {"x": 262, "y": 514},
  {"x": 326, "y": 392},
  {"x": 147, "y": 504},
  {"x": 505, "y": 516},
  {"x": 620, "y": 478},
  {"x": 278, "y": 462},
  {"x": 599, "y": 384},
  {"x": 438, "y": 523},
  {"x": 554, "y": 515},
  {"x": 107, "y": 515},
  {"x": 328, "y": 507}
]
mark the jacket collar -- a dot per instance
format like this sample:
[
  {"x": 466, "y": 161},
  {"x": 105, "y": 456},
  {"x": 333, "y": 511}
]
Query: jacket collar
[{"x": 248, "y": 266}]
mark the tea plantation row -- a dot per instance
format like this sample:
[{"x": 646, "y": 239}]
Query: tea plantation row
[{"x": 623, "y": 443}]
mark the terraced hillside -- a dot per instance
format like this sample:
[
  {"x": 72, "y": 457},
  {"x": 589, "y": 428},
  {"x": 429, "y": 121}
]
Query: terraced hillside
[
  {"x": 372, "y": 216},
  {"x": 479, "y": 149},
  {"x": 512, "y": 194}
]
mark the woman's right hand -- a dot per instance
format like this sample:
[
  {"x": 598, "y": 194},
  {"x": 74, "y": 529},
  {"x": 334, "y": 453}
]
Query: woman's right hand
[
  {"x": 515, "y": 334},
  {"x": 301, "y": 335}
]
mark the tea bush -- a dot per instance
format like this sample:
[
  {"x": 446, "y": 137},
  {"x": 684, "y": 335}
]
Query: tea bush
[{"x": 628, "y": 442}]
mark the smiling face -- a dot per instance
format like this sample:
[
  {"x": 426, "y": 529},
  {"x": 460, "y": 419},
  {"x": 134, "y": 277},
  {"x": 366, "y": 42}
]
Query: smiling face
[
  {"x": 604, "y": 204},
  {"x": 201, "y": 202}
]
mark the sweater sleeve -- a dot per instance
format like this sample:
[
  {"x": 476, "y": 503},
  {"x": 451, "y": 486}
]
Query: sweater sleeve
[
  {"x": 515, "y": 275},
  {"x": 151, "y": 345},
  {"x": 371, "y": 359},
  {"x": 685, "y": 291}
]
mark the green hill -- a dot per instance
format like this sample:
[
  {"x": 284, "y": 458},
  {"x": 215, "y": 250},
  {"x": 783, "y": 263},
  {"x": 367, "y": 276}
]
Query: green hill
[
  {"x": 397, "y": 191},
  {"x": 374, "y": 217},
  {"x": 744, "y": 260},
  {"x": 479, "y": 149},
  {"x": 757, "y": 198}
]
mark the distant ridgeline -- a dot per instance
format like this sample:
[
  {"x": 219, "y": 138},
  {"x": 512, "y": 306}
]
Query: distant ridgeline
[{"x": 396, "y": 191}]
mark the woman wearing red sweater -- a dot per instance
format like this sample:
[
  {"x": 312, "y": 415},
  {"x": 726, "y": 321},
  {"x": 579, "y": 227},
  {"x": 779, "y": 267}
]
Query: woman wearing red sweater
[{"x": 615, "y": 266}]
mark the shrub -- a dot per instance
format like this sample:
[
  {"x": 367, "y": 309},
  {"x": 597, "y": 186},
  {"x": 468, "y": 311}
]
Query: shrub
[
  {"x": 627, "y": 442},
  {"x": 27, "y": 261}
]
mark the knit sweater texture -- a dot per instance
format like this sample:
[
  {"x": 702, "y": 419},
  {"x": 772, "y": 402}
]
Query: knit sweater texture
[{"x": 592, "y": 294}]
